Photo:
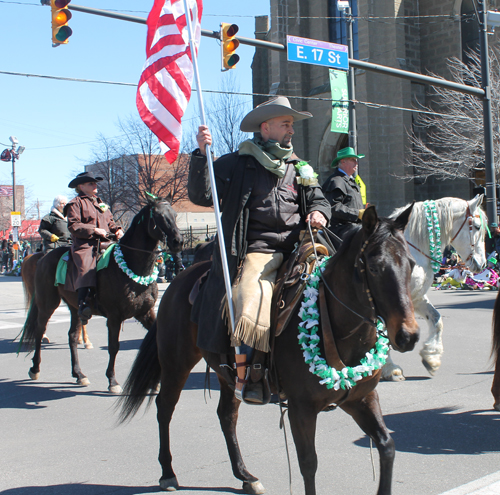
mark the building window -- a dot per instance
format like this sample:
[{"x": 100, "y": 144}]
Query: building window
[
  {"x": 338, "y": 26},
  {"x": 470, "y": 29}
]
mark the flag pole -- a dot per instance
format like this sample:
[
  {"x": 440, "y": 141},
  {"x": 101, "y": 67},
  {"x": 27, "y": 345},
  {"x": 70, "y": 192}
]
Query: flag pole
[{"x": 215, "y": 197}]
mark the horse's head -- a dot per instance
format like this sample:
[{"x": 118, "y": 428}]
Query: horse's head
[
  {"x": 383, "y": 269},
  {"x": 469, "y": 228},
  {"x": 161, "y": 225}
]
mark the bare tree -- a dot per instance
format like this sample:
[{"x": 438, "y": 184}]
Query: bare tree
[
  {"x": 225, "y": 111},
  {"x": 448, "y": 142}
]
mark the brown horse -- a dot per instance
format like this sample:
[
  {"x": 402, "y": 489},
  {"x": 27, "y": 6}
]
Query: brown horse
[
  {"x": 28, "y": 271},
  {"x": 495, "y": 353},
  {"x": 119, "y": 295},
  {"x": 368, "y": 278}
]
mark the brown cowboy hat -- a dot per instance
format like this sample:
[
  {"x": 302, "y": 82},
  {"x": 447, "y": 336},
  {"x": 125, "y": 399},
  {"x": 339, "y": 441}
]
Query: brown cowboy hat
[
  {"x": 275, "y": 107},
  {"x": 82, "y": 178}
]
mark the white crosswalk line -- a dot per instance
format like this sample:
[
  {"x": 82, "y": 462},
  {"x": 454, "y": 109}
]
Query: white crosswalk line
[{"x": 489, "y": 485}]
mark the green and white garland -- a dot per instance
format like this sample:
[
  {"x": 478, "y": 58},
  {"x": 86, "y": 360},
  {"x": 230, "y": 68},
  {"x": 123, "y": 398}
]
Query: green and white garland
[
  {"x": 309, "y": 341},
  {"x": 433, "y": 228},
  {"x": 148, "y": 280}
]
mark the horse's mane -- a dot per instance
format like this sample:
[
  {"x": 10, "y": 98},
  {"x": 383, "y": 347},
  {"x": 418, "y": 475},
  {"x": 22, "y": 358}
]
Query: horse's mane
[
  {"x": 416, "y": 230},
  {"x": 135, "y": 222},
  {"x": 384, "y": 229}
]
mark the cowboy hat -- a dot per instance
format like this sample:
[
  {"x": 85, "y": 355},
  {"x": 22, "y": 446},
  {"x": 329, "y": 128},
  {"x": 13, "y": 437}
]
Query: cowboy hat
[
  {"x": 82, "y": 178},
  {"x": 346, "y": 153},
  {"x": 275, "y": 107}
]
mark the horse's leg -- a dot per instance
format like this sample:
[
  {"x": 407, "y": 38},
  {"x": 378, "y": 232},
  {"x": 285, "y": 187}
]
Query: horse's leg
[
  {"x": 113, "y": 348},
  {"x": 42, "y": 319},
  {"x": 303, "y": 418},
  {"x": 391, "y": 372},
  {"x": 228, "y": 417},
  {"x": 433, "y": 347},
  {"x": 367, "y": 413},
  {"x": 73, "y": 334},
  {"x": 495, "y": 388},
  {"x": 147, "y": 319},
  {"x": 88, "y": 344},
  {"x": 175, "y": 369},
  {"x": 83, "y": 336}
]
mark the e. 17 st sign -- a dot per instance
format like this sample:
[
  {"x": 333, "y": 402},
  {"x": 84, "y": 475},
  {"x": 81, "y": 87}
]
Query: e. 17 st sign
[{"x": 317, "y": 52}]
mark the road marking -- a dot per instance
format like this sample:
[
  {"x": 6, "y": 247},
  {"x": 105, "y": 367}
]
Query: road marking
[{"x": 489, "y": 485}]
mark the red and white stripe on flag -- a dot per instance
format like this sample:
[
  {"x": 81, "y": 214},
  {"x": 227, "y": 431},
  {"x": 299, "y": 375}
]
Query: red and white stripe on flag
[
  {"x": 164, "y": 89},
  {"x": 6, "y": 190}
]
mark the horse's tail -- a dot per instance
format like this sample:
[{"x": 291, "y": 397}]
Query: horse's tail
[
  {"x": 495, "y": 349},
  {"x": 27, "y": 295},
  {"x": 142, "y": 380},
  {"x": 27, "y": 336}
]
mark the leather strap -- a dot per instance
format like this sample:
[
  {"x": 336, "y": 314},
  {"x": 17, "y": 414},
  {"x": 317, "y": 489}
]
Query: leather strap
[{"x": 331, "y": 352}]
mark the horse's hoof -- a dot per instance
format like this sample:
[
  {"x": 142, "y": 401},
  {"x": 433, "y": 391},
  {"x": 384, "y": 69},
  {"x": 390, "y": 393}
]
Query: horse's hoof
[
  {"x": 431, "y": 368},
  {"x": 254, "y": 488},
  {"x": 84, "y": 382},
  {"x": 115, "y": 389},
  {"x": 170, "y": 485},
  {"x": 45, "y": 339},
  {"x": 34, "y": 376},
  {"x": 80, "y": 341},
  {"x": 496, "y": 406},
  {"x": 89, "y": 345},
  {"x": 394, "y": 377}
]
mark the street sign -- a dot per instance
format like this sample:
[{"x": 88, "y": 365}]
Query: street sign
[
  {"x": 15, "y": 218},
  {"x": 315, "y": 52}
]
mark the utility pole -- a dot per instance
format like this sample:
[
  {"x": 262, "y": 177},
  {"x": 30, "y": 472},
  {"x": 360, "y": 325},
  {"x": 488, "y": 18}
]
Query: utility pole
[
  {"x": 353, "y": 133},
  {"x": 489, "y": 165}
]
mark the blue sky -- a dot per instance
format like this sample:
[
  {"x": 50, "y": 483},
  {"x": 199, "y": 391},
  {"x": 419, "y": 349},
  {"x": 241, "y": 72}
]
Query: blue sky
[{"x": 58, "y": 121}]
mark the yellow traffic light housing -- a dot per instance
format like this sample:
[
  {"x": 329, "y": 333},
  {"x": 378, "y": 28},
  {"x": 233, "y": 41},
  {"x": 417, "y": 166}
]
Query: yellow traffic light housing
[
  {"x": 60, "y": 17},
  {"x": 229, "y": 44}
]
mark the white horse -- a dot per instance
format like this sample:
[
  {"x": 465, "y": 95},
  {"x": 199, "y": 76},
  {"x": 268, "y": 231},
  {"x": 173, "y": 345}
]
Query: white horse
[{"x": 463, "y": 225}]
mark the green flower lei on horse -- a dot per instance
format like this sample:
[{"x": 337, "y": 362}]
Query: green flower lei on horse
[
  {"x": 433, "y": 228},
  {"x": 309, "y": 341},
  {"x": 120, "y": 261}
]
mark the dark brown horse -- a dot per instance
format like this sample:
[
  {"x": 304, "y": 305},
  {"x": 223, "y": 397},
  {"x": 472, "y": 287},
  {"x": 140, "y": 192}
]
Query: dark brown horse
[
  {"x": 495, "y": 353},
  {"x": 118, "y": 297},
  {"x": 28, "y": 271},
  {"x": 369, "y": 277}
]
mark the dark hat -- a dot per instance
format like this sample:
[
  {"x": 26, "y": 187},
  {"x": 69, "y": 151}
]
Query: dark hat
[{"x": 82, "y": 178}]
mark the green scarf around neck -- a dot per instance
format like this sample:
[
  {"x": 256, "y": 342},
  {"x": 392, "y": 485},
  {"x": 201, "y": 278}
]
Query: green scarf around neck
[{"x": 269, "y": 154}]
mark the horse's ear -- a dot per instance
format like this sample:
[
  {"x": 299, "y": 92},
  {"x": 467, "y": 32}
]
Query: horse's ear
[
  {"x": 168, "y": 199},
  {"x": 151, "y": 198},
  {"x": 477, "y": 200},
  {"x": 370, "y": 220},
  {"x": 402, "y": 220}
]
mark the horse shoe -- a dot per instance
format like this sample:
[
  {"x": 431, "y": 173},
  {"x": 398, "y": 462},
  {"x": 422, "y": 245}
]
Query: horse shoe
[{"x": 253, "y": 487}]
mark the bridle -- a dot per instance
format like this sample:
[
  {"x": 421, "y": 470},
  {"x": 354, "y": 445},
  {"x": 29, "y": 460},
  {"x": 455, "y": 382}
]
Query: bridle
[
  {"x": 359, "y": 264},
  {"x": 468, "y": 218}
]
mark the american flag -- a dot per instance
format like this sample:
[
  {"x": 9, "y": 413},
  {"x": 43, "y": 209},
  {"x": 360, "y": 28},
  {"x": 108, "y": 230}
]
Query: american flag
[
  {"x": 5, "y": 191},
  {"x": 164, "y": 89}
]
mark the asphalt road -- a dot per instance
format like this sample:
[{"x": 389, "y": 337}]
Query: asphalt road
[{"x": 58, "y": 438}]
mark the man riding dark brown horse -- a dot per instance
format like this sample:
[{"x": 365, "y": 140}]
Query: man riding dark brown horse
[{"x": 267, "y": 195}]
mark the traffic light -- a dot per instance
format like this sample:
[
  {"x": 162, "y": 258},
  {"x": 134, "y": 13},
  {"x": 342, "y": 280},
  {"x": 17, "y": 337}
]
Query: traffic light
[
  {"x": 228, "y": 45},
  {"x": 60, "y": 17}
]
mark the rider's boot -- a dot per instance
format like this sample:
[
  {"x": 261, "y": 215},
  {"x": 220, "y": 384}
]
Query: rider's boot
[
  {"x": 84, "y": 310},
  {"x": 241, "y": 372}
]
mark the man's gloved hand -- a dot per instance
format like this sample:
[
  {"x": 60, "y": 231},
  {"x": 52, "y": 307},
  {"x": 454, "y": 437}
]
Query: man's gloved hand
[
  {"x": 361, "y": 213},
  {"x": 54, "y": 238}
]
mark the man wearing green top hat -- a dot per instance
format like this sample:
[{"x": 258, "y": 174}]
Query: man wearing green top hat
[{"x": 343, "y": 193}]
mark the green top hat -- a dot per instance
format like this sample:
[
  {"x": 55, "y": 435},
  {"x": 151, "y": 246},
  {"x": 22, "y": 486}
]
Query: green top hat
[{"x": 345, "y": 153}]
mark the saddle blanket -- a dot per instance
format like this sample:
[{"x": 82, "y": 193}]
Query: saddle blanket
[{"x": 62, "y": 266}]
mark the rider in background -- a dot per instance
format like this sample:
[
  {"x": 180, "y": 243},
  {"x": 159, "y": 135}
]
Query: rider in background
[
  {"x": 54, "y": 226},
  {"x": 89, "y": 221},
  {"x": 343, "y": 193}
]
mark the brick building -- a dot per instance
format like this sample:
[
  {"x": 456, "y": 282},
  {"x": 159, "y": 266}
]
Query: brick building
[
  {"x": 413, "y": 35},
  {"x": 6, "y": 204}
]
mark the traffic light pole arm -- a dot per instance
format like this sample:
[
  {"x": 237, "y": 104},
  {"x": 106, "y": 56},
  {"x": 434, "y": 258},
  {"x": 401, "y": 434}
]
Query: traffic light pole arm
[{"x": 358, "y": 64}]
